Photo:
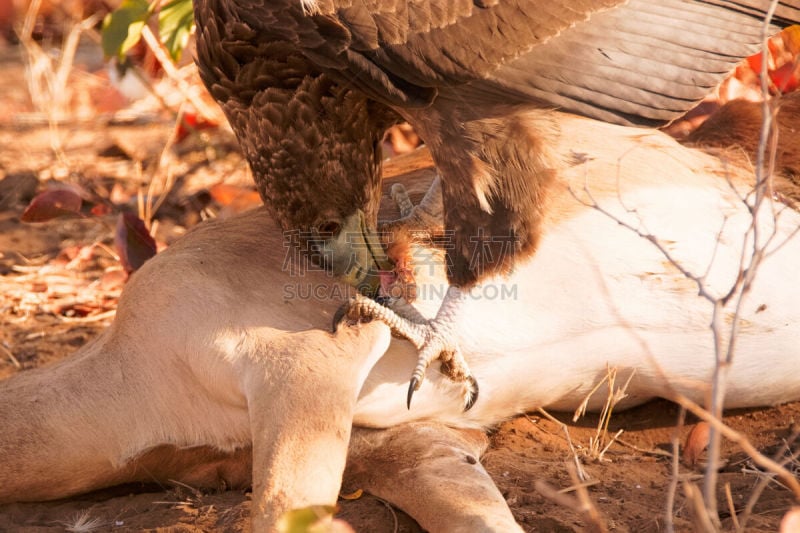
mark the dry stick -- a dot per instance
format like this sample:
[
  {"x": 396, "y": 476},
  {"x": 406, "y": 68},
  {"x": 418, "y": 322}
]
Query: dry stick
[
  {"x": 597, "y": 444},
  {"x": 700, "y": 516},
  {"x": 578, "y": 466},
  {"x": 169, "y": 69},
  {"x": 646, "y": 451},
  {"x": 586, "y": 502},
  {"x": 765, "y": 479},
  {"x": 11, "y": 357},
  {"x": 741, "y": 286},
  {"x": 723, "y": 348},
  {"x": 669, "y": 525},
  {"x": 731, "y": 506},
  {"x": 53, "y": 97},
  {"x": 580, "y": 504},
  {"x": 149, "y": 208}
]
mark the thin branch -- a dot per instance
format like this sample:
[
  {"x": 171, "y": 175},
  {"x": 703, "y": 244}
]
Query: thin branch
[{"x": 669, "y": 525}]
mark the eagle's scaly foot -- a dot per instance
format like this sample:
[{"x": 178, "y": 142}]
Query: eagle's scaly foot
[
  {"x": 435, "y": 339},
  {"x": 426, "y": 217}
]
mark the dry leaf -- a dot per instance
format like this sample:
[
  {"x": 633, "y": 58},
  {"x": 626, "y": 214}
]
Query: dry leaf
[
  {"x": 53, "y": 203},
  {"x": 133, "y": 242},
  {"x": 696, "y": 443},
  {"x": 356, "y": 494}
]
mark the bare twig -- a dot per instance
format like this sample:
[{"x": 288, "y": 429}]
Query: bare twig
[
  {"x": 580, "y": 504},
  {"x": 578, "y": 466},
  {"x": 731, "y": 506},
  {"x": 765, "y": 479},
  {"x": 757, "y": 239},
  {"x": 171, "y": 71},
  {"x": 700, "y": 515},
  {"x": 669, "y": 525},
  {"x": 11, "y": 357}
]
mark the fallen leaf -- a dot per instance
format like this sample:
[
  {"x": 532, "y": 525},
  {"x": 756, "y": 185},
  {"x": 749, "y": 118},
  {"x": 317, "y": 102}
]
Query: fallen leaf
[
  {"x": 312, "y": 519},
  {"x": 113, "y": 279},
  {"x": 53, "y": 203},
  {"x": 696, "y": 443},
  {"x": 38, "y": 286},
  {"x": 235, "y": 199},
  {"x": 356, "y": 494},
  {"x": 192, "y": 121},
  {"x": 99, "y": 210},
  {"x": 133, "y": 242}
]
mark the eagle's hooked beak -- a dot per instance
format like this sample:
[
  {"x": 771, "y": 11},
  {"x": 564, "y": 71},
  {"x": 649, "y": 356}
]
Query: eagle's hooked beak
[{"x": 355, "y": 254}]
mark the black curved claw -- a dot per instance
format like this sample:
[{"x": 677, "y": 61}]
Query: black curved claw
[
  {"x": 473, "y": 393},
  {"x": 412, "y": 388},
  {"x": 339, "y": 315}
]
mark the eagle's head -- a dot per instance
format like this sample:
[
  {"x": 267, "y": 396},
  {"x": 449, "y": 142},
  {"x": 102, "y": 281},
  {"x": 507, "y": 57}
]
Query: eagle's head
[{"x": 315, "y": 153}]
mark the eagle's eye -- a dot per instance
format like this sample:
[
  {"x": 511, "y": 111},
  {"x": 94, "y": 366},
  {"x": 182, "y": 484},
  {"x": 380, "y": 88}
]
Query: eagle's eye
[{"x": 329, "y": 228}]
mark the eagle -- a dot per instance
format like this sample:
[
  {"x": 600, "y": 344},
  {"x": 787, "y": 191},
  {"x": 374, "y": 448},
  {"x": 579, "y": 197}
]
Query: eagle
[{"x": 310, "y": 87}]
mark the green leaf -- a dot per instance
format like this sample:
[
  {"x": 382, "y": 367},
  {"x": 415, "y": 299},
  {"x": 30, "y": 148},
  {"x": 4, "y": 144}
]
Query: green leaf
[
  {"x": 122, "y": 28},
  {"x": 175, "y": 24},
  {"x": 306, "y": 519}
]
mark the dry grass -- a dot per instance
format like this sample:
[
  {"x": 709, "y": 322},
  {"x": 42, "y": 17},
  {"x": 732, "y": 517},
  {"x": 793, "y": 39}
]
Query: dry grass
[
  {"x": 75, "y": 290},
  {"x": 82, "y": 522},
  {"x": 599, "y": 444}
]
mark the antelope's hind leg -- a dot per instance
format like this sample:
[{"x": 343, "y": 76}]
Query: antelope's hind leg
[{"x": 433, "y": 473}]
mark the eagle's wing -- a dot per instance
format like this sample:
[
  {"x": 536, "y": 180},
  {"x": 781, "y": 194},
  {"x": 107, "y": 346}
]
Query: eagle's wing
[
  {"x": 641, "y": 62},
  {"x": 402, "y": 52},
  {"x": 644, "y": 63}
]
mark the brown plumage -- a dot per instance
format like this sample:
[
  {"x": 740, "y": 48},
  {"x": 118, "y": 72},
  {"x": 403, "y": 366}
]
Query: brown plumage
[
  {"x": 737, "y": 125},
  {"x": 310, "y": 86}
]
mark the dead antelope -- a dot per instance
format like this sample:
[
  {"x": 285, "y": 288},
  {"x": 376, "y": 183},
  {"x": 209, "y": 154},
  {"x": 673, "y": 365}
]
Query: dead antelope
[{"x": 217, "y": 355}]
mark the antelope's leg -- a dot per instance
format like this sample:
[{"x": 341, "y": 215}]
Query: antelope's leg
[
  {"x": 301, "y": 399},
  {"x": 433, "y": 473}
]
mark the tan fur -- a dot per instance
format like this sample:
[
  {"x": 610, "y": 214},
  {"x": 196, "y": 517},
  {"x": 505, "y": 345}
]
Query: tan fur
[{"x": 212, "y": 355}]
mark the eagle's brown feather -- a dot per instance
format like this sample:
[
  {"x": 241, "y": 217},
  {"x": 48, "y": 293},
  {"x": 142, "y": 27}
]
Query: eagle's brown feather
[{"x": 309, "y": 88}]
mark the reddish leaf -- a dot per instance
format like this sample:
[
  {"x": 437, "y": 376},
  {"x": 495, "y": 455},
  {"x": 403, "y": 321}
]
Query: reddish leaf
[
  {"x": 99, "y": 210},
  {"x": 193, "y": 121},
  {"x": 754, "y": 62},
  {"x": 784, "y": 78},
  {"x": 133, "y": 242},
  {"x": 53, "y": 203},
  {"x": 39, "y": 286},
  {"x": 238, "y": 199},
  {"x": 113, "y": 279},
  {"x": 696, "y": 443}
]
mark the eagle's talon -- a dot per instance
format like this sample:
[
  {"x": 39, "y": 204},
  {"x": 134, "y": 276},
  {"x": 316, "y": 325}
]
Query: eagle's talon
[
  {"x": 339, "y": 315},
  {"x": 472, "y": 393},
  {"x": 351, "y": 309},
  {"x": 436, "y": 339},
  {"x": 413, "y": 386},
  {"x": 357, "y": 309}
]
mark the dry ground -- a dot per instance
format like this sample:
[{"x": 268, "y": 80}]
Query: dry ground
[{"x": 57, "y": 291}]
